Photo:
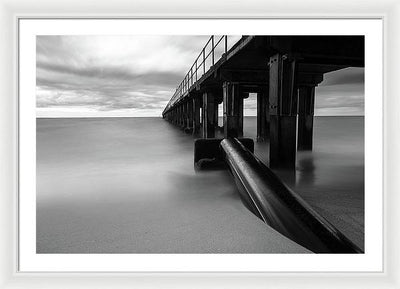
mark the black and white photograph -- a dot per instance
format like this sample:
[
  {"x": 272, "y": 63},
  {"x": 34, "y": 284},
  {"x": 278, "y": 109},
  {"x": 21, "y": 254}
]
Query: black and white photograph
[
  {"x": 200, "y": 144},
  {"x": 150, "y": 144}
]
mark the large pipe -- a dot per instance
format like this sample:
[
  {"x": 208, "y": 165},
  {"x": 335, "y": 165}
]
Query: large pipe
[{"x": 280, "y": 207}]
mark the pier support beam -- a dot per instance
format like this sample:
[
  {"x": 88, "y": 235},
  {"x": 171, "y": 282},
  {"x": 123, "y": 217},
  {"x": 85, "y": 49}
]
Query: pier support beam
[
  {"x": 216, "y": 114},
  {"x": 189, "y": 116},
  {"x": 218, "y": 98},
  {"x": 233, "y": 110},
  {"x": 306, "y": 117},
  {"x": 208, "y": 115},
  {"x": 180, "y": 115},
  {"x": 196, "y": 115},
  {"x": 263, "y": 114},
  {"x": 183, "y": 115},
  {"x": 184, "y": 108},
  {"x": 283, "y": 112}
]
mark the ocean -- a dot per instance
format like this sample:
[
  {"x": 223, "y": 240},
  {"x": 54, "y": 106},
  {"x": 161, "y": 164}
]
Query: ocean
[{"x": 128, "y": 185}]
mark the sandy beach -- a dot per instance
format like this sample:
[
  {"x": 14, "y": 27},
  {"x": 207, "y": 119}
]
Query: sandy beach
[{"x": 127, "y": 185}]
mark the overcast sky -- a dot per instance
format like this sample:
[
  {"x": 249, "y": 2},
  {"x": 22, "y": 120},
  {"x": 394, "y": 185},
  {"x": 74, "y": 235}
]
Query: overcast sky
[{"x": 137, "y": 75}]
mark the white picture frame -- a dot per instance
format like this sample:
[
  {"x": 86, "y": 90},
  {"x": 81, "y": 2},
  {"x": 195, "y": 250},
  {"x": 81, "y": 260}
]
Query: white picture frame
[{"x": 11, "y": 10}]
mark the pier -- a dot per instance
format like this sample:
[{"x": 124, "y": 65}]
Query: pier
[{"x": 283, "y": 71}]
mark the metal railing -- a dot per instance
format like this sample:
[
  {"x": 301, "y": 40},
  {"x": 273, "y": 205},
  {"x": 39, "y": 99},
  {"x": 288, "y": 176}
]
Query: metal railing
[{"x": 199, "y": 66}]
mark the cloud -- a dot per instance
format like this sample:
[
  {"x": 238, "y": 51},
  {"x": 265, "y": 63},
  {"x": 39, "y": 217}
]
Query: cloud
[
  {"x": 105, "y": 73},
  {"x": 351, "y": 75},
  {"x": 341, "y": 93},
  {"x": 116, "y": 75}
]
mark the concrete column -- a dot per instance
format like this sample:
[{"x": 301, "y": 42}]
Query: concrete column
[
  {"x": 178, "y": 115},
  {"x": 216, "y": 114},
  {"x": 263, "y": 114},
  {"x": 233, "y": 110},
  {"x": 208, "y": 115},
  {"x": 242, "y": 96},
  {"x": 283, "y": 112},
  {"x": 306, "y": 117},
  {"x": 188, "y": 116},
  {"x": 184, "y": 115},
  {"x": 218, "y": 98},
  {"x": 196, "y": 115}
]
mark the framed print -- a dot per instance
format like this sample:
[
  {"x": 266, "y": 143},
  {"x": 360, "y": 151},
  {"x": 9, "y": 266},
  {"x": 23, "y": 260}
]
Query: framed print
[{"x": 235, "y": 149}]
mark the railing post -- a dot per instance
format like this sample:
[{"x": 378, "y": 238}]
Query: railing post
[
  {"x": 176, "y": 110},
  {"x": 204, "y": 61},
  {"x": 212, "y": 48}
]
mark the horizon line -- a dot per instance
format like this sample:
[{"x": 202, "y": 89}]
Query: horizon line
[{"x": 352, "y": 115}]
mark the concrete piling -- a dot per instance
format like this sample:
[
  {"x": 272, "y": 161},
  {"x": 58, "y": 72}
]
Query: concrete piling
[
  {"x": 196, "y": 115},
  {"x": 306, "y": 117},
  {"x": 233, "y": 110},
  {"x": 263, "y": 118},
  {"x": 208, "y": 115},
  {"x": 282, "y": 70},
  {"x": 283, "y": 111}
]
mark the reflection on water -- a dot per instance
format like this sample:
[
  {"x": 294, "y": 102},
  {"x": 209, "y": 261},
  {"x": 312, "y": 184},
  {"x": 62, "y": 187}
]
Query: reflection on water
[{"x": 306, "y": 169}]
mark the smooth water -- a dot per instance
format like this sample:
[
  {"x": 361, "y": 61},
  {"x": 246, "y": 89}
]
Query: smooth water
[{"x": 127, "y": 185}]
